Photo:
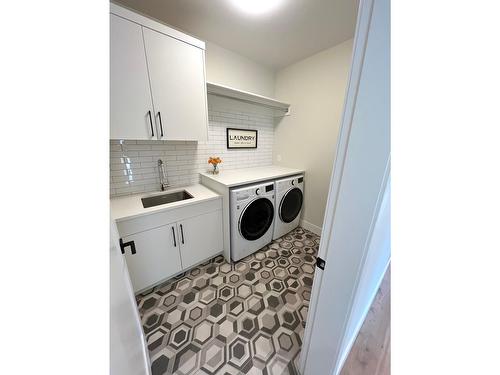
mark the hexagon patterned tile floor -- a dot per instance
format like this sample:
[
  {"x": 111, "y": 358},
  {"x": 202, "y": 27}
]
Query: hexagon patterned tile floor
[{"x": 242, "y": 318}]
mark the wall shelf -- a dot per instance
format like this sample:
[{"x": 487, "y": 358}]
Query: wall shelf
[{"x": 248, "y": 97}]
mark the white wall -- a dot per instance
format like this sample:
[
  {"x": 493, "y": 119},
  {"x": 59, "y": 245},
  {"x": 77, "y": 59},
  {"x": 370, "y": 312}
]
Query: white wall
[
  {"x": 231, "y": 69},
  {"x": 315, "y": 87}
]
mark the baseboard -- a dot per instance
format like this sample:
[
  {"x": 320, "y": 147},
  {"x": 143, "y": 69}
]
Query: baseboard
[{"x": 309, "y": 226}]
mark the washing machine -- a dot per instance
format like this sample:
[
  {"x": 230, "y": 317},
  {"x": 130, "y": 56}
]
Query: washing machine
[
  {"x": 288, "y": 203},
  {"x": 252, "y": 217}
]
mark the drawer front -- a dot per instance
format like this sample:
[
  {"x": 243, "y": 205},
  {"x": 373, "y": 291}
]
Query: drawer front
[{"x": 154, "y": 220}]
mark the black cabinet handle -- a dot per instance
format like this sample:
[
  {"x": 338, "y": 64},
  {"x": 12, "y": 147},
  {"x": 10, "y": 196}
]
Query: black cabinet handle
[
  {"x": 151, "y": 124},
  {"x": 161, "y": 125},
  {"x": 123, "y": 245},
  {"x": 182, "y": 234},
  {"x": 173, "y": 234}
]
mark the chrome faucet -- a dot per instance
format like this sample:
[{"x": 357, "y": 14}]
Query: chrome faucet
[{"x": 163, "y": 175}]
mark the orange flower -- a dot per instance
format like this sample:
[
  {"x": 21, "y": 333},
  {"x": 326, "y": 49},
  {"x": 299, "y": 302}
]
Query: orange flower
[{"x": 214, "y": 160}]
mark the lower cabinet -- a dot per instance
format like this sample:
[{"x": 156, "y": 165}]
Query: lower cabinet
[
  {"x": 156, "y": 254},
  {"x": 153, "y": 257},
  {"x": 201, "y": 237}
]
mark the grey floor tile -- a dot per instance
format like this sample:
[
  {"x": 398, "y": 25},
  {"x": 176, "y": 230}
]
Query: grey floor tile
[{"x": 242, "y": 318}]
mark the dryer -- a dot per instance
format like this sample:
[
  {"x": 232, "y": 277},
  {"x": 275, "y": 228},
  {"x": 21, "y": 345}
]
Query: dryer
[
  {"x": 252, "y": 218},
  {"x": 288, "y": 203}
]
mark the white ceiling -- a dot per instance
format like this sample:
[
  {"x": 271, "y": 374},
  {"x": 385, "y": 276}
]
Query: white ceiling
[{"x": 298, "y": 29}]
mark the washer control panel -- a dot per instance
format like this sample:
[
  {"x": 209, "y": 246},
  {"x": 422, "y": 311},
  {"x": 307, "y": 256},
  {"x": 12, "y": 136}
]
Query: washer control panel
[
  {"x": 286, "y": 184},
  {"x": 244, "y": 194}
]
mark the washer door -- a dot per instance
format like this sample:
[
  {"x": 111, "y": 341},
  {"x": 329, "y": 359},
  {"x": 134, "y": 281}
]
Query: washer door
[
  {"x": 290, "y": 205},
  {"x": 256, "y": 219}
]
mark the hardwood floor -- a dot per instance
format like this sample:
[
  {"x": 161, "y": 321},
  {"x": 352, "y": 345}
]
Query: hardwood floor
[{"x": 371, "y": 352}]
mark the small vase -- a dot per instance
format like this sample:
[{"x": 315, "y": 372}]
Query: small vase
[{"x": 215, "y": 170}]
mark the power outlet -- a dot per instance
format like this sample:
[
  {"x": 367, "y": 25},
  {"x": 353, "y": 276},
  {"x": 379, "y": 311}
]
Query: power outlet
[{"x": 278, "y": 157}]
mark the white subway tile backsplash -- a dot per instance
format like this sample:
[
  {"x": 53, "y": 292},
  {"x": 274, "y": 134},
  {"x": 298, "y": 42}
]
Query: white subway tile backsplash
[{"x": 133, "y": 164}]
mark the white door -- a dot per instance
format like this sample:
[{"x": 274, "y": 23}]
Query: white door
[
  {"x": 131, "y": 107},
  {"x": 374, "y": 268},
  {"x": 128, "y": 353},
  {"x": 200, "y": 238},
  {"x": 177, "y": 72},
  {"x": 156, "y": 256},
  {"x": 349, "y": 243}
]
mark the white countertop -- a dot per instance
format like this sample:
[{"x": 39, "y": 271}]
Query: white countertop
[
  {"x": 130, "y": 206},
  {"x": 243, "y": 176}
]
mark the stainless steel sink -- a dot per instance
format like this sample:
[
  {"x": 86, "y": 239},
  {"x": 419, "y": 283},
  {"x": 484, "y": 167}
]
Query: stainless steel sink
[{"x": 157, "y": 200}]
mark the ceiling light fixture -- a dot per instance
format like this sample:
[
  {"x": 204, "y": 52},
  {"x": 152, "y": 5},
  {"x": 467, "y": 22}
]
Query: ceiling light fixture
[{"x": 257, "y": 7}]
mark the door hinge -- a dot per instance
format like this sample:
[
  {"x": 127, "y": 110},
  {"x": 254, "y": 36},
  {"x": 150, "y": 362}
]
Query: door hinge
[
  {"x": 123, "y": 245},
  {"x": 320, "y": 263}
]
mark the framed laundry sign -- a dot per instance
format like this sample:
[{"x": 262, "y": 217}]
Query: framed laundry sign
[{"x": 241, "y": 138}]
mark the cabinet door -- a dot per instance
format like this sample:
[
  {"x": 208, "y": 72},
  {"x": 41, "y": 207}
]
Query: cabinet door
[
  {"x": 130, "y": 94},
  {"x": 200, "y": 238},
  {"x": 177, "y": 72},
  {"x": 156, "y": 258}
]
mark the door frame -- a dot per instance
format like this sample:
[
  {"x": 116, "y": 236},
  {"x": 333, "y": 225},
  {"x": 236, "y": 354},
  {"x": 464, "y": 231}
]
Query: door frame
[{"x": 342, "y": 316}]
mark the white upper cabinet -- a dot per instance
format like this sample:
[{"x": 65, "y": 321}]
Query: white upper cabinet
[
  {"x": 130, "y": 97},
  {"x": 157, "y": 71},
  {"x": 177, "y": 76}
]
